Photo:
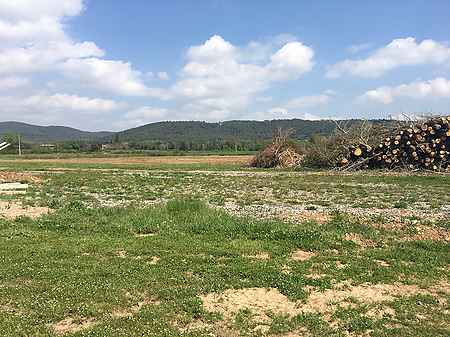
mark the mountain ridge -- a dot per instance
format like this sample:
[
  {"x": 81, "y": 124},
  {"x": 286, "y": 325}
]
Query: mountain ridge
[
  {"x": 176, "y": 131},
  {"x": 52, "y": 133}
]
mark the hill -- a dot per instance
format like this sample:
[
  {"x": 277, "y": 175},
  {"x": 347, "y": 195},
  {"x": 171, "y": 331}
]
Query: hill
[
  {"x": 43, "y": 134},
  {"x": 251, "y": 131},
  {"x": 176, "y": 132}
]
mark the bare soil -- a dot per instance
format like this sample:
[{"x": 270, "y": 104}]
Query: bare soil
[
  {"x": 12, "y": 210},
  {"x": 213, "y": 160},
  {"x": 70, "y": 326}
]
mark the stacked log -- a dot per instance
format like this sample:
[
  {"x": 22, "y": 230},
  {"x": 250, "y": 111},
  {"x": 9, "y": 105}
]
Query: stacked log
[{"x": 416, "y": 146}]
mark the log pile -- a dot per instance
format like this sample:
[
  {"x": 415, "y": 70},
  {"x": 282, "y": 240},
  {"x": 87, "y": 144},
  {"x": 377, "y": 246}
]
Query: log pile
[{"x": 417, "y": 146}]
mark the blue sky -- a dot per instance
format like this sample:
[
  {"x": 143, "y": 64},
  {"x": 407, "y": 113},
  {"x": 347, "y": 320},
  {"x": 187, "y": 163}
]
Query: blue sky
[{"x": 102, "y": 64}]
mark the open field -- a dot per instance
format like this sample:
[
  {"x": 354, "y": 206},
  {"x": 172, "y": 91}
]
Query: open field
[
  {"x": 199, "y": 246},
  {"x": 140, "y": 160}
]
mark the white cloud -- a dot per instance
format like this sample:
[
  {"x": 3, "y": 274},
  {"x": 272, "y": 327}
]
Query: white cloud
[
  {"x": 162, "y": 75},
  {"x": 215, "y": 83},
  {"x": 264, "y": 99},
  {"x": 117, "y": 77},
  {"x": 57, "y": 108},
  {"x": 36, "y": 41},
  {"x": 82, "y": 112},
  {"x": 291, "y": 61},
  {"x": 308, "y": 102},
  {"x": 219, "y": 80},
  {"x": 356, "y": 48},
  {"x": 280, "y": 113},
  {"x": 44, "y": 57},
  {"x": 44, "y": 29},
  {"x": 400, "y": 52},
  {"x": 27, "y": 10},
  {"x": 13, "y": 82},
  {"x": 32, "y": 36},
  {"x": 141, "y": 116},
  {"x": 295, "y": 108},
  {"x": 61, "y": 102},
  {"x": 439, "y": 87},
  {"x": 259, "y": 51}
]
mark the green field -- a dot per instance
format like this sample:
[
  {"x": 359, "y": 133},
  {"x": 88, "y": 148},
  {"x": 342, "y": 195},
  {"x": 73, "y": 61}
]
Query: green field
[{"x": 200, "y": 249}]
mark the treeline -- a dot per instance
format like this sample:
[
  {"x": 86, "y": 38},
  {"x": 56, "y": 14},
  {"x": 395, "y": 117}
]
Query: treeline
[
  {"x": 212, "y": 145},
  {"x": 231, "y": 136},
  {"x": 197, "y": 132}
]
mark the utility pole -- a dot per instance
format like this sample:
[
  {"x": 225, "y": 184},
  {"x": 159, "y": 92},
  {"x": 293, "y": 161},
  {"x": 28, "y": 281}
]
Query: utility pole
[{"x": 20, "y": 148}]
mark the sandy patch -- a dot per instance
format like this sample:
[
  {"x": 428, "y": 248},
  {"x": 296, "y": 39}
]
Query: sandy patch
[
  {"x": 259, "y": 256},
  {"x": 154, "y": 260},
  {"x": 14, "y": 177},
  {"x": 12, "y": 210},
  {"x": 343, "y": 294},
  {"x": 301, "y": 332},
  {"x": 285, "y": 269},
  {"x": 359, "y": 240},
  {"x": 195, "y": 326},
  {"x": 314, "y": 276},
  {"x": 145, "y": 235},
  {"x": 13, "y": 188},
  {"x": 258, "y": 300},
  {"x": 379, "y": 313},
  {"x": 316, "y": 216},
  {"x": 301, "y": 255},
  {"x": 70, "y": 325},
  {"x": 121, "y": 253},
  {"x": 382, "y": 263},
  {"x": 429, "y": 233},
  {"x": 134, "y": 309}
]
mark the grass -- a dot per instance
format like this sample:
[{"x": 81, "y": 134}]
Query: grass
[{"x": 168, "y": 243}]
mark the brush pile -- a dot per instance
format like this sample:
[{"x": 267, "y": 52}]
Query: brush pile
[
  {"x": 415, "y": 146},
  {"x": 282, "y": 152}
]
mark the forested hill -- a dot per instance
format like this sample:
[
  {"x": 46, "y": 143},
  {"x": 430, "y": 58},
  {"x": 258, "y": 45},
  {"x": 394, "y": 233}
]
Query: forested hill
[
  {"x": 42, "y": 134},
  {"x": 178, "y": 132},
  {"x": 232, "y": 130}
]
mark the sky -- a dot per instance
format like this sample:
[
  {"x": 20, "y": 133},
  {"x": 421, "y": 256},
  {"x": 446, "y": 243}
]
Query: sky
[{"x": 113, "y": 65}]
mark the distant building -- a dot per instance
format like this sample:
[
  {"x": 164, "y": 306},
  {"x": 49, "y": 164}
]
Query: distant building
[
  {"x": 48, "y": 146},
  {"x": 115, "y": 146}
]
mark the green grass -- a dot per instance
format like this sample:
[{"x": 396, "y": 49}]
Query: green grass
[
  {"x": 157, "y": 240},
  {"x": 66, "y": 265}
]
